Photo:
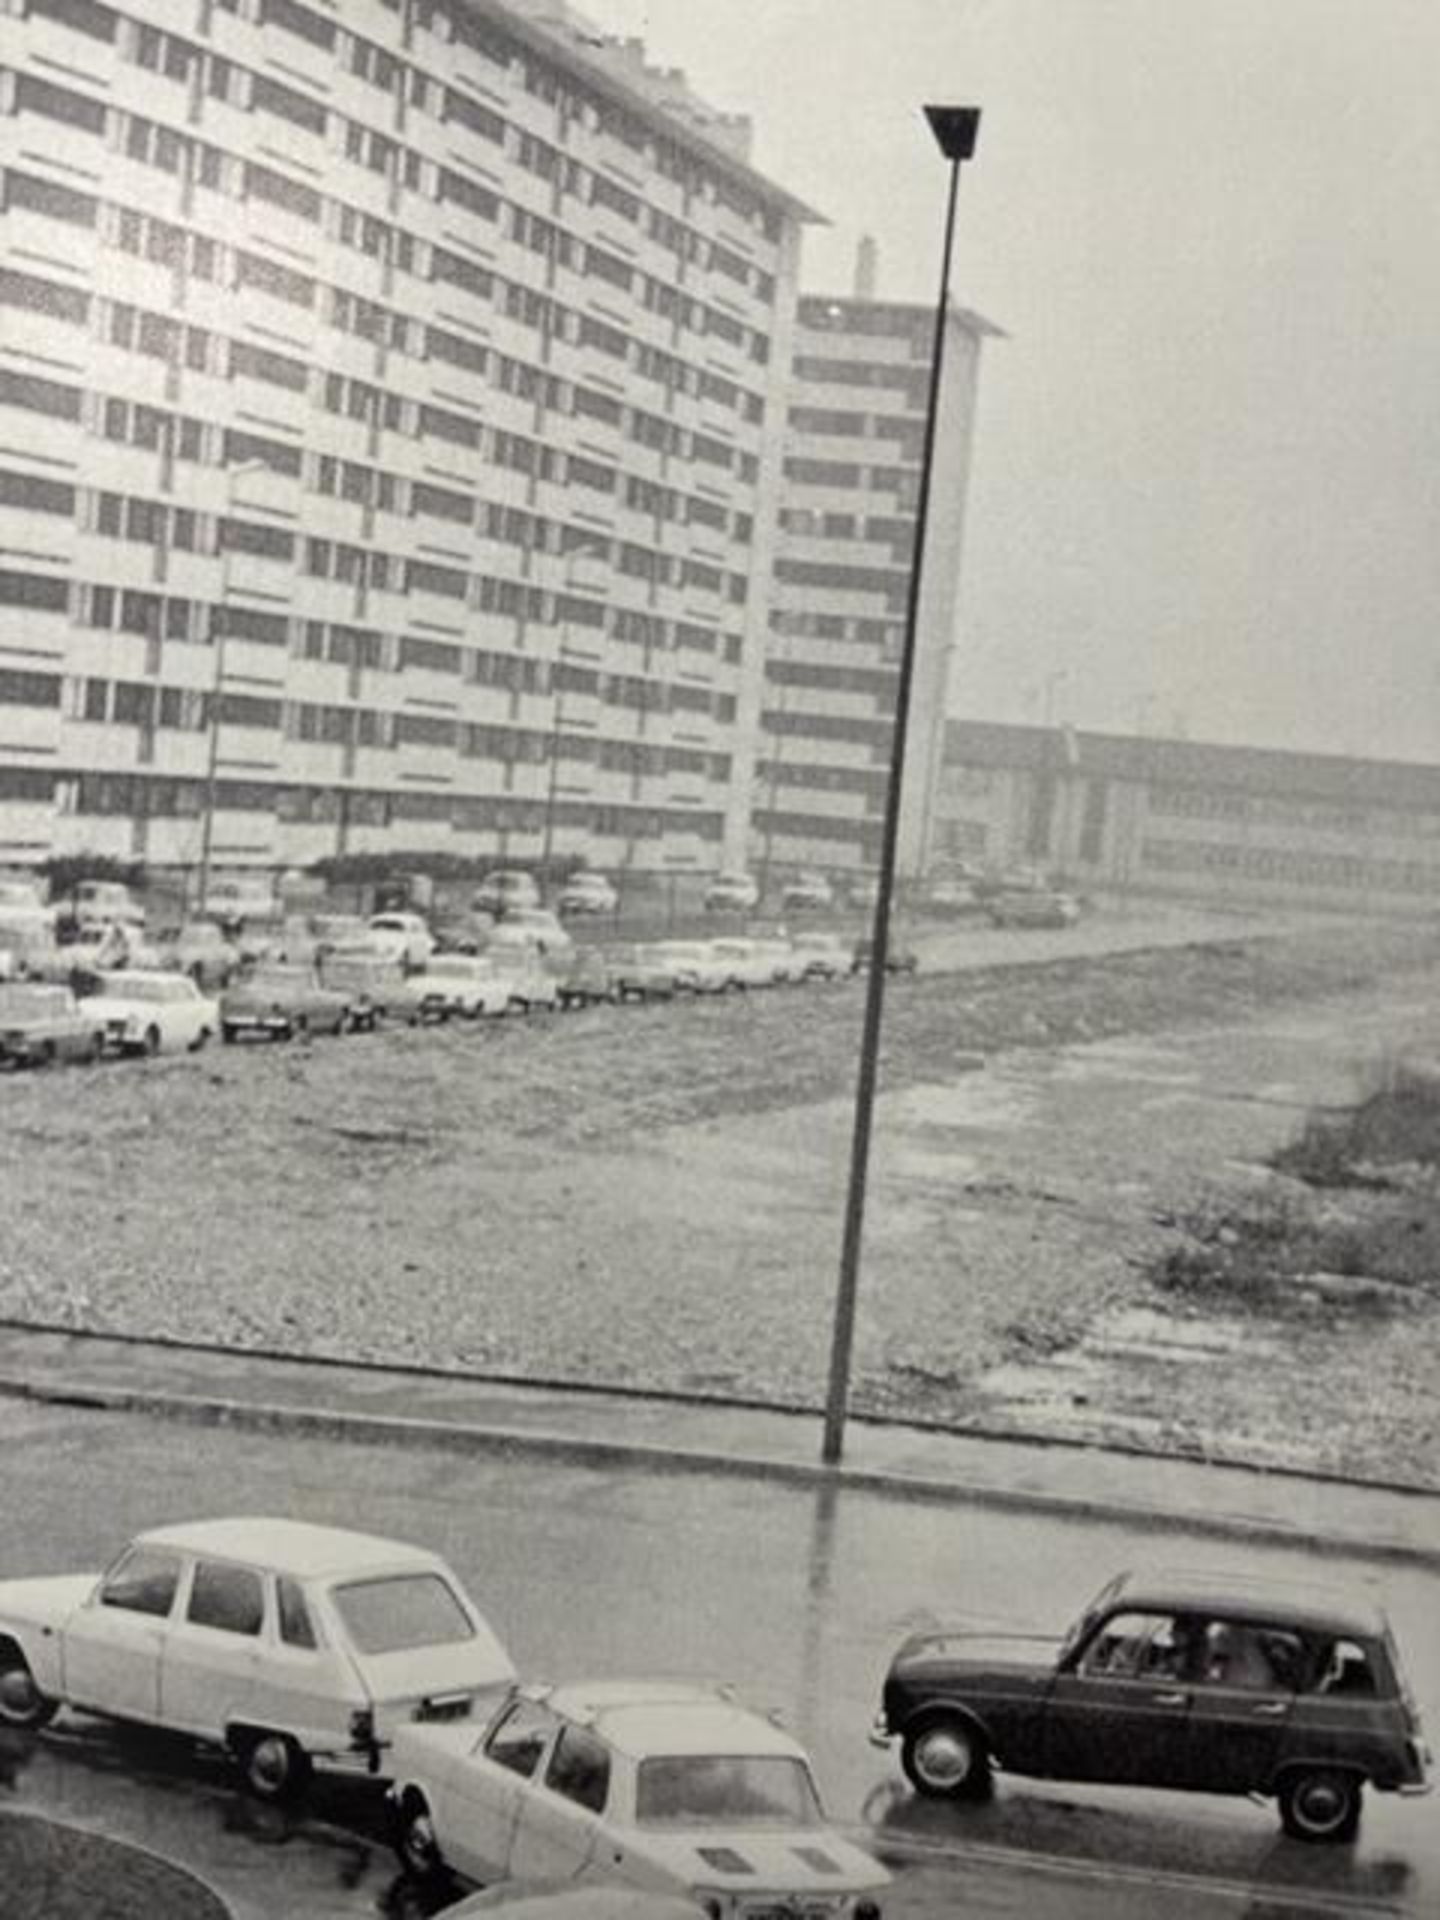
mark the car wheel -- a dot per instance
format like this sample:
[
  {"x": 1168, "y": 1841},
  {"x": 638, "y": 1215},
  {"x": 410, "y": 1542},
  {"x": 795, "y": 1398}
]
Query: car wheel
[
  {"x": 1321, "y": 1804},
  {"x": 228, "y": 1034},
  {"x": 298, "y": 1028},
  {"x": 201, "y": 1040},
  {"x": 22, "y": 1704},
  {"x": 150, "y": 1045},
  {"x": 944, "y": 1758},
  {"x": 415, "y": 1841},
  {"x": 273, "y": 1766}
]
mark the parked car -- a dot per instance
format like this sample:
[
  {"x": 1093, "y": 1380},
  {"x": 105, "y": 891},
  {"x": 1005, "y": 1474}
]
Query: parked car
[
  {"x": 697, "y": 967},
  {"x": 663, "y": 1787},
  {"x": 1034, "y": 908},
  {"x": 467, "y": 984},
  {"x": 403, "y": 937},
  {"x": 107, "y": 900},
  {"x": 101, "y": 946},
  {"x": 507, "y": 887},
  {"x": 379, "y": 988},
  {"x": 280, "y": 1001},
  {"x": 42, "y": 1023},
  {"x": 583, "y": 1900},
  {"x": 531, "y": 985},
  {"x": 145, "y": 1012},
  {"x": 540, "y": 927},
  {"x": 587, "y": 892},
  {"x": 587, "y": 979},
  {"x": 900, "y": 956},
  {"x": 732, "y": 893},
  {"x": 242, "y": 901},
  {"x": 823, "y": 956},
  {"x": 462, "y": 932},
  {"x": 201, "y": 949},
  {"x": 947, "y": 896},
  {"x": 807, "y": 891},
  {"x": 862, "y": 893},
  {"x": 1203, "y": 1682},
  {"x": 283, "y": 1642},
  {"x": 747, "y": 963},
  {"x": 640, "y": 973}
]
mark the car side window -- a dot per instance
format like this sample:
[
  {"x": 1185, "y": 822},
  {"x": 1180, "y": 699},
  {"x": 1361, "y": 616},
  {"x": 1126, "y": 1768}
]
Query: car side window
[
  {"x": 518, "y": 1741},
  {"x": 143, "y": 1582},
  {"x": 230, "y": 1599},
  {"x": 296, "y": 1627},
  {"x": 1348, "y": 1671},
  {"x": 1258, "y": 1658},
  {"x": 580, "y": 1768},
  {"x": 1135, "y": 1646}
]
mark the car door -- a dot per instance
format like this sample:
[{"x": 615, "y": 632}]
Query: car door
[
  {"x": 114, "y": 1643},
  {"x": 1241, "y": 1703},
  {"x": 477, "y": 1801},
  {"x": 1120, "y": 1710},
  {"x": 211, "y": 1658},
  {"x": 558, "y": 1822}
]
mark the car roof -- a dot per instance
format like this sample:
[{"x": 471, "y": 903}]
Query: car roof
[
  {"x": 648, "y": 1718},
  {"x": 1303, "y": 1604},
  {"x": 290, "y": 1546}
]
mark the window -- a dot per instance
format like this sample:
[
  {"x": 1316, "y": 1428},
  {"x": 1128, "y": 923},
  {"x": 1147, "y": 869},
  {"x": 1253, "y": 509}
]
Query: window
[
  {"x": 1139, "y": 1646},
  {"x": 21, "y": 688},
  {"x": 298, "y": 108},
  {"x": 46, "y": 197},
  {"x": 59, "y": 103},
  {"x": 300, "y": 21},
  {"x": 34, "y": 494},
  {"x": 407, "y": 1611},
  {"x": 33, "y": 295},
  {"x": 694, "y": 1790},
  {"x": 229, "y": 1599},
  {"x": 1255, "y": 1658},
  {"x": 85, "y": 16},
  {"x": 258, "y": 363},
  {"x": 33, "y": 590},
  {"x": 520, "y": 1738},
  {"x": 39, "y": 396},
  {"x": 580, "y": 1768},
  {"x": 1347, "y": 1670},
  {"x": 263, "y": 183},
  {"x": 296, "y": 1627},
  {"x": 143, "y": 1581}
]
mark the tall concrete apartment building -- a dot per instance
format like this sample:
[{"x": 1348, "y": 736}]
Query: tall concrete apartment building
[
  {"x": 854, "y": 431},
  {"x": 389, "y": 449}
]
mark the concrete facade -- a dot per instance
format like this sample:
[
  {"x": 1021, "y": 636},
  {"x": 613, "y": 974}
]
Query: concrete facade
[
  {"x": 854, "y": 431},
  {"x": 388, "y": 406},
  {"x": 1184, "y": 817}
]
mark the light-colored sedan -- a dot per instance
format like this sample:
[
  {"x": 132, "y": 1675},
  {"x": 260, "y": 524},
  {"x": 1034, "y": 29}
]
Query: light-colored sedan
[
  {"x": 153, "y": 1012},
  {"x": 403, "y": 937},
  {"x": 749, "y": 965},
  {"x": 662, "y": 1787},
  {"x": 283, "y": 1642},
  {"x": 469, "y": 984},
  {"x": 697, "y": 967},
  {"x": 530, "y": 986},
  {"x": 824, "y": 956}
]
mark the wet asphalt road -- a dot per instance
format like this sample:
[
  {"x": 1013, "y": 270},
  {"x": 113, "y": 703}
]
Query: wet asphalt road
[{"x": 796, "y": 1595}]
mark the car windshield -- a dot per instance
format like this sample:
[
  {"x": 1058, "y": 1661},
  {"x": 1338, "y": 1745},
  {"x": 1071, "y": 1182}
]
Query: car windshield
[
  {"x": 725, "y": 1790},
  {"x": 128, "y": 987},
  {"x": 398, "y": 1614}
]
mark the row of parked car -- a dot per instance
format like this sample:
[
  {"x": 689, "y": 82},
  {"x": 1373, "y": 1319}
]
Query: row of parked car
[
  {"x": 291, "y": 1645},
  {"x": 121, "y": 996}
]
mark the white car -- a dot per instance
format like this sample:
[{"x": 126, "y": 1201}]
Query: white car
[
  {"x": 776, "y": 950},
  {"x": 732, "y": 892},
  {"x": 153, "y": 1012},
  {"x": 823, "y": 956},
  {"x": 540, "y": 927},
  {"x": 587, "y": 892},
  {"x": 697, "y": 967},
  {"x": 97, "y": 901},
  {"x": 238, "y": 901},
  {"x": 508, "y": 887},
  {"x": 665, "y": 1788},
  {"x": 749, "y": 965},
  {"x": 283, "y": 1642},
  {"x": 529, "y": 984},
  {"x": 401, "y": 936},
  {"x": 468, "y": 983}
]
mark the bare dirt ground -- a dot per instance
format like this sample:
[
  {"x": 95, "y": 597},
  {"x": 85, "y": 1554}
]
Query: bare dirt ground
[{"x": 652, "y": 1197}]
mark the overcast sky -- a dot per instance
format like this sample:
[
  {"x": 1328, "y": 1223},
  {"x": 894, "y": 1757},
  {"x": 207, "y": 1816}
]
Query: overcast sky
[{"x": 1208, "y": 454}]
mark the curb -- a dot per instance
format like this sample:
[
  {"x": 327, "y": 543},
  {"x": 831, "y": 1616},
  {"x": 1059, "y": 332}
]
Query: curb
[{"x": 449, "y": 1436}]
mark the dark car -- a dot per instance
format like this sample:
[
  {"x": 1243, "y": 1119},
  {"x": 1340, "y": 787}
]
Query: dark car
[
  {"x": 281, "y": 1001},
  {"x": 1196, "y": 1681}
]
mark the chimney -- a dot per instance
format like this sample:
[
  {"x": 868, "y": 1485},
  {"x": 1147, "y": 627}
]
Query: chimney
[{"x": 865, "y": 266}]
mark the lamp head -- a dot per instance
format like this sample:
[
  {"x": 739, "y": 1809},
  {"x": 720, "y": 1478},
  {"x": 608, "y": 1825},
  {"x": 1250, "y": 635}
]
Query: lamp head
[{"x": 956, "y": 129}]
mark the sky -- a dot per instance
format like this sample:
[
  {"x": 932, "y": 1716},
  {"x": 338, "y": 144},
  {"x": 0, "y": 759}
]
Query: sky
[{"x": 1206, "y": 489}]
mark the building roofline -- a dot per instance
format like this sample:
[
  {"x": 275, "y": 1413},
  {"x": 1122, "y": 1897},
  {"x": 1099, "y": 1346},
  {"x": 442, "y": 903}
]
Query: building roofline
[
  {"x": 966, "y": 317},
  {"x": 570, "y": 42}
]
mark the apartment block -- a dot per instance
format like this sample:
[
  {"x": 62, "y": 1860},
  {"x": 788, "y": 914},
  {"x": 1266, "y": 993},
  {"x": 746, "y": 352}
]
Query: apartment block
[
  {"x": 390, "y": 407},
  {"x": 853, "y": 438}
]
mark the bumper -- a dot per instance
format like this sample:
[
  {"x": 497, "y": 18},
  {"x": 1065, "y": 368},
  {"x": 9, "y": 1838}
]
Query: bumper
[{"x": 880, "y": 1735}]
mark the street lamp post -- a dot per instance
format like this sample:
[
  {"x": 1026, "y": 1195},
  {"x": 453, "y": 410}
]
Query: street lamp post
[
  {"x": 219, "y": 632},
  {"x": 955, "y": 130}
]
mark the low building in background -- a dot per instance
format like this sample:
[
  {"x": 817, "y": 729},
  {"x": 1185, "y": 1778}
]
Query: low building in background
[{"x": 1249, "y": 824}]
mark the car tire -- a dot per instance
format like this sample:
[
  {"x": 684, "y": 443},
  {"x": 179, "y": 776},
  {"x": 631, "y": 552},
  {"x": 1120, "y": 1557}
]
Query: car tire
[
  {"x": 22, "y": 1704},
  {"x": 1321, "y": 1804},
  {"x": 273, "y": 1766},
  {"x": 150, "y": 1045},
  {"x": 944, "y": 1758},
  {"x": 228, "y": 1034},
  {"x": 416, "y": 1846},
  {"x": 201, "y": 1041}
]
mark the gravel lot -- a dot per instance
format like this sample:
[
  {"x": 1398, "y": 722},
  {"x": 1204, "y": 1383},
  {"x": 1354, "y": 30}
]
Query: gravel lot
[{"x": 653, "y": 1196}]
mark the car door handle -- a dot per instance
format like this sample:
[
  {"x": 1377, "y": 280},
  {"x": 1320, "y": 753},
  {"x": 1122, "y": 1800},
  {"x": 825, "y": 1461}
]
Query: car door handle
[
  {"x": 1271, "y": 1709},
  {"x": 1169, "y": 1699}
]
